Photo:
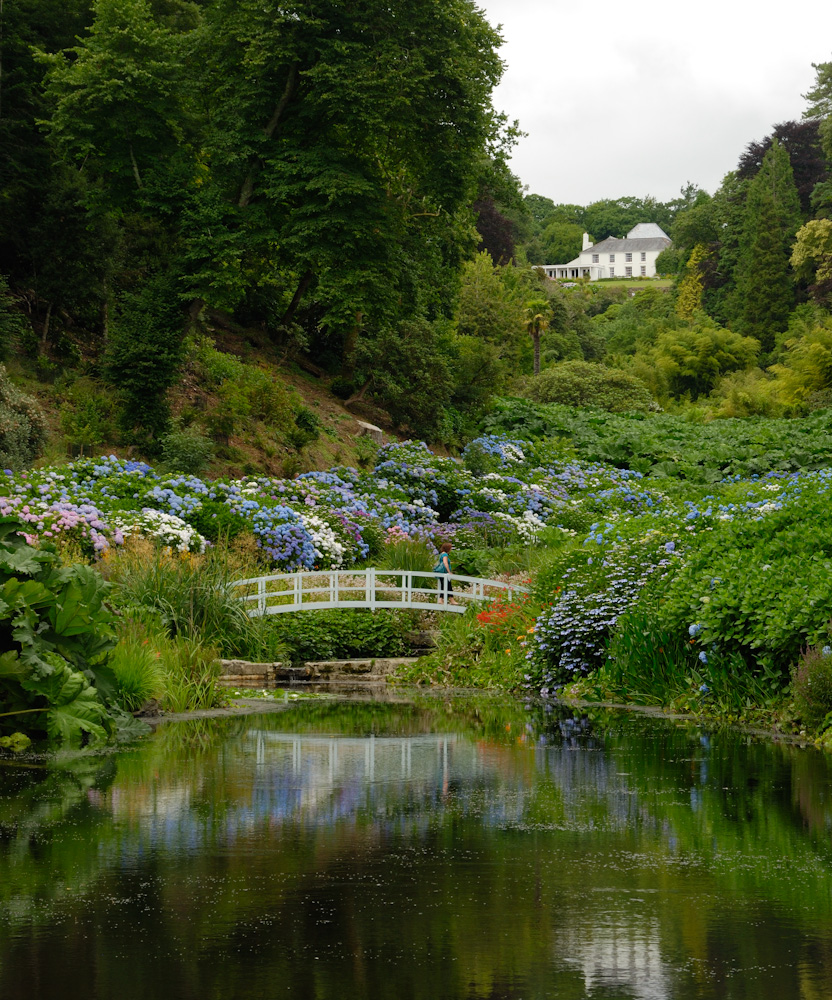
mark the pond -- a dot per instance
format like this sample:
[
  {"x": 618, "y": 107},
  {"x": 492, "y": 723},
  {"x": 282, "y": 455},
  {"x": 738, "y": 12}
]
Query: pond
[{"x": 426, "y": 847}]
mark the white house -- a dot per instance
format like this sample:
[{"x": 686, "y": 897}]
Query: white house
[{"x": 633, "y": 257}]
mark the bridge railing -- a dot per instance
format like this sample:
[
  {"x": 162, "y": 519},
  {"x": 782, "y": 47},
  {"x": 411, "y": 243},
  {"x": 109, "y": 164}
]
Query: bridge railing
[{"x": 366, "y": 588}]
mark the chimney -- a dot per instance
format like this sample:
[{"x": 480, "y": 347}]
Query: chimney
[{"x": 587, "y": 242}]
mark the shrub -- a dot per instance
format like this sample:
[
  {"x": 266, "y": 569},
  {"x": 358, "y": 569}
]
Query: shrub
[
  {"x": 306, "y": 430},
  {"x": 22, "y": 426},
  {"x": 812, "y": 685},
  {"x": 484, "y": 647},
  {"x": 748, "y": 393},
  {"x": 187, "y": 451},
  {"x": 585, "y": 383},
  {"x": 343, "y": 388},
  {"x": 478, "y": 460},
  {"x": 215, "y": 520},
  {"x": 87, "y": 417},
  {"x": 336, "y": 635},
  {"x": 366, "y": 450}
]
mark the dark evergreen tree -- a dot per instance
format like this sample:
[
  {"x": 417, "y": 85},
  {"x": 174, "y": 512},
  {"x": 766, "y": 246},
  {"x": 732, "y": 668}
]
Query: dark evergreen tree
[{"x": 764, "y": 294}]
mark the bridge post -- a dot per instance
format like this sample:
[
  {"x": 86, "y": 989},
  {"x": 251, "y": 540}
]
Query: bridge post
[
  {"x": 371, "y": 588},
  {"x": 261, "y": 596}
]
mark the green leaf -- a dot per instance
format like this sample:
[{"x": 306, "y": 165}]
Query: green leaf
[
  {"x": 21, "y": 561},
  {"x": 10, "y": 665},
  {"x": 84, "y": 713}
]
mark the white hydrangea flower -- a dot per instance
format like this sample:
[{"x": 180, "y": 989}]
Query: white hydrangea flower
[
  {"x": 168, "y": 529},
  {"x": 327, "y": 544}
]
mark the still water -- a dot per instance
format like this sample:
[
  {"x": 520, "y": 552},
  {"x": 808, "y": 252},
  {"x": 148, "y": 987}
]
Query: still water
[{"x": 435, "y": 848}]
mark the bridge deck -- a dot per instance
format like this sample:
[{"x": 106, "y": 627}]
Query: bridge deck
[{"x": 366, "y": 588}]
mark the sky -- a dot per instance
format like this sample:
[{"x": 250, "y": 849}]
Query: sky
[{"x": 639, "y": 98}]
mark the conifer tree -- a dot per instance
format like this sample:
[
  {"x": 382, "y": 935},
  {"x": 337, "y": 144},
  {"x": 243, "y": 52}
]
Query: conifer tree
[{"x": 764, "y": 285}]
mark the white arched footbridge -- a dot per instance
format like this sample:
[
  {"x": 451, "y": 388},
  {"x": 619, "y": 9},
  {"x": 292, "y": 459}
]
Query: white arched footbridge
[{"x": 366, "y": 588}]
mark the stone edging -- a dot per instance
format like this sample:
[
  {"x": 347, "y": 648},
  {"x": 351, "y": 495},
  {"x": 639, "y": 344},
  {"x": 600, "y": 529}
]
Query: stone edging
[{"x": 375, "y": 669}]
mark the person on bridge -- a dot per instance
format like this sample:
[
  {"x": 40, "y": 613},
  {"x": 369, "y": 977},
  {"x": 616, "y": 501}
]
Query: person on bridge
[{"x": 444, "y": 567}]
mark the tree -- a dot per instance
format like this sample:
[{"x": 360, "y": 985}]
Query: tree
[
  {"x": 496, "y": 231},
  {"x": 345, "y": 132},
  {"x": 765, "y": 290},
  {"x": 539, "y": 208},
  {"x": 812, "y": 258},
  {"x": 413, "y": 376},
  {"x": 561, "y": 242},
  {"x": 118, "y": 104},
  {"x": 802, "y": 142},
  {"x": 538, "y": 314},
  {"x": 491, "y": 311},
  {"x": 805, "y": 373},
  {"x": 689, "y": 293},
  {"x": 820, "y": 105}
]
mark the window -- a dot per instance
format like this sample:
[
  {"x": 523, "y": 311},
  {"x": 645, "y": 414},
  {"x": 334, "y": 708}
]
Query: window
[
  {"x": 643, "y": 271},
  {"x": 612, "y": 258},
  {"x": 612, "y": 272},
  {"x": 628, "y": 272},
  {"x": 628, "y": 257},
  {"x": 643, "y": 255},
  {"x": 595, "y": 258}
]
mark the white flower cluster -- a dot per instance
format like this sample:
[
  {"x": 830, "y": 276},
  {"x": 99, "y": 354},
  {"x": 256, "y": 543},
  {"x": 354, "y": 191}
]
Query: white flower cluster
[
  {"x": 499, "y": 495},
  {"x": 528, "y": 526},
  {"x": 513, "y": 453},
  {"x": 168, "y": 529},
  {"x": 327, "y": 544}
]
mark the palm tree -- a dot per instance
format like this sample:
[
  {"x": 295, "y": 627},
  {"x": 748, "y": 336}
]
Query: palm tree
[{"x": 538, "y": 315}]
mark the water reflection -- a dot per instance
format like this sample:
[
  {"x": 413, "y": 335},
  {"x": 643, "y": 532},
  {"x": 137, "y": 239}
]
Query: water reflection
[{"x": 467, "y": 848}]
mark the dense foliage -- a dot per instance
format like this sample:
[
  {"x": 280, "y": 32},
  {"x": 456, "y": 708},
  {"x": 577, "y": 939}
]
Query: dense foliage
[
  {"x": 173, "y": 165},
  {"x": 57, "y": 635},
  {"x": 672, "y": 445}
]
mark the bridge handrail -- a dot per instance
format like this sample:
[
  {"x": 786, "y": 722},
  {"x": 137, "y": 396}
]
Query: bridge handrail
[{"x": 376, "y": 586}]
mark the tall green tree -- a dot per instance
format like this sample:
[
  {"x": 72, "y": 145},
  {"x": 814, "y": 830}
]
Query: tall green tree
[
  {"x": 820, "y": 104},
  {"x": 764, "y": 285},
  {"x": 344, "y": 133}
]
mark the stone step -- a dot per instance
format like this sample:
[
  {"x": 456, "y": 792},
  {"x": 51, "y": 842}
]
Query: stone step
[{"x": 375, "y": 670}]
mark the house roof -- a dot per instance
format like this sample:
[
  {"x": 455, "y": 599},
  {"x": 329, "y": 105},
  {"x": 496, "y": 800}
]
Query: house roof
[
  {"x": 646, "y": 231},
  {"x": 612, "y": 245}
]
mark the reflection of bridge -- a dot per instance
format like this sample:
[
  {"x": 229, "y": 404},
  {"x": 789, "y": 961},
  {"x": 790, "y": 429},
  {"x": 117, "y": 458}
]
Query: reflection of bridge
[
  {"x": 371, "y": 758},
  {"x": 367, "y": 588}
]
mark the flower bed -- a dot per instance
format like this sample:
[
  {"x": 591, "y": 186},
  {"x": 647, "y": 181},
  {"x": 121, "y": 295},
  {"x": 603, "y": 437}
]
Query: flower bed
[{"x": 749, "y": 562}]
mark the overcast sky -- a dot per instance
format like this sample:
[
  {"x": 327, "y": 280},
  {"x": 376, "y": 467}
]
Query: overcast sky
[{"x": 627, "y": 98}]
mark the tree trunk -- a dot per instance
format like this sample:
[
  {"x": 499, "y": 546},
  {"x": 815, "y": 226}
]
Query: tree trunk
[
  {"x": 136, "y": 173},
  {"x": 536, "y": 339},
  {"x": 304, "y": 284},
  {"x": 247, "y": 189},
  {"x": 44, "y": 335},
  {"x": 358, "y": 396},
  {"x": 348, "y": 354}
]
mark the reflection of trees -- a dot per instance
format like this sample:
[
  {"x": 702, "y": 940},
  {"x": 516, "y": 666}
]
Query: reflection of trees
[{"x": 477, "y": 850}]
